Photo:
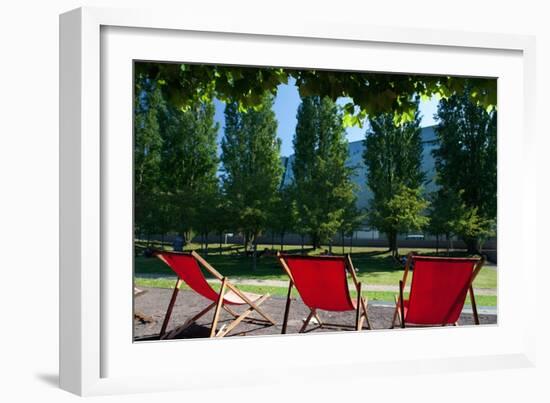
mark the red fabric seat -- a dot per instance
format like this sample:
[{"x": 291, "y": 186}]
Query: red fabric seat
[
  {"x": 438, "y": 290},
  {"x": 321, "y": 281},
  {"x": 187, "y": 268}
]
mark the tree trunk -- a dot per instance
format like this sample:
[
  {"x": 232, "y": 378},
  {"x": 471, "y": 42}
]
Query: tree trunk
[
  {"x": 396, "y": 247},
  {"x": 245, "y": 242},
  {"x": 343, "y": 243},
  {"x": 437, "y": 243},
  {"x": 302, "y": 244},
  {"x": 206, "y": 244},
  {"x": 282, "y": 240},
  {"x": 162, "y": 241},
  {"x": 221, "y": 241},
  {"x": 272, "y": 240},
  {"x": 254, "y": 252},
  {"x": 315, "y": 242},
  {"x": 330, "y": 247},
  {"x": 184, "y": 238},
  {"x": 392, "y": 240},
  {"x": 472, "y": 246},
  {"x": 351, "y": 244}
]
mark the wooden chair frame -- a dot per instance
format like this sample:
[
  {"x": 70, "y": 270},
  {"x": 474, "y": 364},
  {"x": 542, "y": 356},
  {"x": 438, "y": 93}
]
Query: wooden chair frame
[
  {"x": 399, "y": 312},
  {"x": 253, "y": 306},
  {"x": 361, "y": 314}
]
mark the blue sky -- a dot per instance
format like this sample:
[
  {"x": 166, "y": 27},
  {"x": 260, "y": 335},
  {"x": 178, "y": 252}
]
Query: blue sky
[{"x": 285, "y": 108}]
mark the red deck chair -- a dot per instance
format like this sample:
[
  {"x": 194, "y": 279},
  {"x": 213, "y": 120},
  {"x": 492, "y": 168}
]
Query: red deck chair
[
  {"x": 322, "y": 284},
  {"x": 186, "y": 266},
  {"x": 438, "y": 290}
]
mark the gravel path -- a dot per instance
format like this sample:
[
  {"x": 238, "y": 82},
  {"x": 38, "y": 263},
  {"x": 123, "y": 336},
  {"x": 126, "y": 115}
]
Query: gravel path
[{"x": 154, "y": 302}]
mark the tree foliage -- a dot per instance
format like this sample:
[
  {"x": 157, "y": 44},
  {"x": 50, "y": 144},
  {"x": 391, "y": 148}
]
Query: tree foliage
[
  {"x": 282, "y": 214},
  {"x": 393, "y": 156},
  {"x": 147, "y": 159},
  {"x": 466, "y": 167},
  {"x": 251, "y": 166},
  {"x": 175, "y": 153},
  {"x": 371, "y": 93},
  {"x": 443, "y": 212},
  {"x": 352, "y": 219},
  {"x": 323, "y": 190},
  {"x": 189, "y": 164},
  {"x": 403, "y": 211}
]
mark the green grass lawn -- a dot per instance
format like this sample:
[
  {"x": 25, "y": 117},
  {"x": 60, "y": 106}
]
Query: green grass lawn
[{"x": 375, "y": 265}]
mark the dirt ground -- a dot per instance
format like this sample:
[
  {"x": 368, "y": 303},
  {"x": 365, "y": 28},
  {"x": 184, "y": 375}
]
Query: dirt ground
[{"x": 153, "y": 303}]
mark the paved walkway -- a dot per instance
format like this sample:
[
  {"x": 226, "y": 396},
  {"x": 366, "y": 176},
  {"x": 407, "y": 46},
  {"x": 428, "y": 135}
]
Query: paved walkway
[
  {"x": 369, "y": 287},
  {"x": 284, "y": 284}
]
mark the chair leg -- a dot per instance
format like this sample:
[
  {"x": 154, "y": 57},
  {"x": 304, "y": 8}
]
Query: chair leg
[
  {"x": 318, "y": 319},
  {"x": 395, "y": 313},
  {"x": 251, "y": 303},
  {"x": 474, "y": 306},
  {"x": 306, "y": 322},
  {"x": 365, "y": 306},
  {"x": 401, "y": 305},
  {"x": 360, "y": 324},
  {"x": 287, "y": 308},
  {"x": 219, "y": 304},
  {"x": 170, "y": 308},
  {"x": 236, "y": 315},
  {"x": 240, "y": 318},
  {"x": 358, "y": 308}
]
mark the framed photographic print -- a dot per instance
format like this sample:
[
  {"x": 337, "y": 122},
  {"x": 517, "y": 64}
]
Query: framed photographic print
[{"x": 297, "y": 197}]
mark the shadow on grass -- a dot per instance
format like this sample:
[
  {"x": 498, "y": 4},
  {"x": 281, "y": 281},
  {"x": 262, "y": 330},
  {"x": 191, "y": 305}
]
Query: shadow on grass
[
  {"x": 239, "y": 265},
  {"x": 231, "y": 260}
]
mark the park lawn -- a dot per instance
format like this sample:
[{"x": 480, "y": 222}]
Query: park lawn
[
  {"x": 375, "y": 266},
  {"x": 384, "y": 296}
]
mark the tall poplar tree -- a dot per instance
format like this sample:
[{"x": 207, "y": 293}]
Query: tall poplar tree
[
  {"x": 466, "y": 166},
  {"x": 393, "y": 156},
  {"x": 251, "y": 167},
  {"x": 189, "y": 165},
  {"x": 147, "y": 157},
  {"x": 323, "y": 190}
]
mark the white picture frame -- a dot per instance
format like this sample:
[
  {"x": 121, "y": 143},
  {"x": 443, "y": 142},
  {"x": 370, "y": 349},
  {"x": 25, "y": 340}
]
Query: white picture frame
[{"x": 95, "y": 47}]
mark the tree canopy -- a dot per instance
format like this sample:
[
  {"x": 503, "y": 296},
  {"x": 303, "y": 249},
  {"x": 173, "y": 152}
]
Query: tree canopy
[{"x": 371, "y": 93}]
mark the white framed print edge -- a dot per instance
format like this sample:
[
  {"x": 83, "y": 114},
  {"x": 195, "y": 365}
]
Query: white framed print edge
[{"x": 97, "y": 42}]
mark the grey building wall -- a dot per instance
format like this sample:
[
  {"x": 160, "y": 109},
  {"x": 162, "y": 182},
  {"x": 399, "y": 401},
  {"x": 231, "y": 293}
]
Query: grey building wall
[{"x": 355, "y": 159}]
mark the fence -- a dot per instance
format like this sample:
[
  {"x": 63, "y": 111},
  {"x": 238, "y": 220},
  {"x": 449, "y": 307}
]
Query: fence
[{"x": 360, "y": 238}]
